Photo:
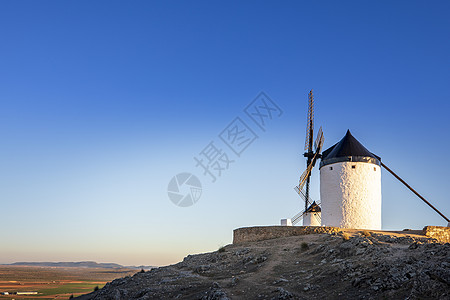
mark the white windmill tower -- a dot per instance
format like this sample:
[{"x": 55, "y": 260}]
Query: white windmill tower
[{"x": 350, "y": 186}]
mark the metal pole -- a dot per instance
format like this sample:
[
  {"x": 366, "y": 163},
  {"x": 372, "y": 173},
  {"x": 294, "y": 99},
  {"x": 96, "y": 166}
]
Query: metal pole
[{"x": 412, "y": 190}]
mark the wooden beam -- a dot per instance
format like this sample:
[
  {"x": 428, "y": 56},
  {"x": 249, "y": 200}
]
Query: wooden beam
[{"x": 417, "y": 194}]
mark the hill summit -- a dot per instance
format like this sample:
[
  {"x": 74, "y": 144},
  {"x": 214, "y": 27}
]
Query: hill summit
[{"x": 347, "y": 264}]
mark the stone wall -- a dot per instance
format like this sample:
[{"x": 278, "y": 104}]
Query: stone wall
[
  {"x": 442, "y": 234},
  {"x": 260, "y": 233}
]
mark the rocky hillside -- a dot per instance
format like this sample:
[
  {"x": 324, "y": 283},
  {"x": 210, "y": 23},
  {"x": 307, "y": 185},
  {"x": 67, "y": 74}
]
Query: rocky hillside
[{"x": 344, "y": 265}]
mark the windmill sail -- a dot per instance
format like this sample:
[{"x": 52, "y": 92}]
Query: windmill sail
[
  {"x": 319, "y": 138},
  {"x": 311, "y": 155},
  {"x": 310, "y": 122},
  {"x": 305, "y": 175}
]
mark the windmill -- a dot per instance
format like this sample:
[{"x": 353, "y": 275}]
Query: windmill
[
  {"x": 350, "y": 183},
  {"x": 311, "y": 213},
  {"x": 350, "y": 186}
]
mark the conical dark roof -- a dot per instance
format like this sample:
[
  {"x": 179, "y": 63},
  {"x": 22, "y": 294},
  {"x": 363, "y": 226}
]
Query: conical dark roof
[
  {"x": 348, "y": 149},
  {"x": 314, "y": 207}
]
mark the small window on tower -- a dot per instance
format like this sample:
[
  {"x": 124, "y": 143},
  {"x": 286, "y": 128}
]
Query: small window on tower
[
  {"x": 374, "y": 169},
  {"x": 353, "y": 166},
  {"x": 331, "y": 168}
]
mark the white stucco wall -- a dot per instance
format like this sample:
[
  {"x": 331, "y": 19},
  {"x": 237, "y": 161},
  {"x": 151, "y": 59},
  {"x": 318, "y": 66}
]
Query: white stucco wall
[
  {"x": 311, "y": 219},
  {"x": 286, "y": 222},
  {"x": 351, "y": 198}
]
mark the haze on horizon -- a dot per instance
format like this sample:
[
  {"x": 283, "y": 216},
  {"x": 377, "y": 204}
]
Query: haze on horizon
[{"x": 102, "y": 103}]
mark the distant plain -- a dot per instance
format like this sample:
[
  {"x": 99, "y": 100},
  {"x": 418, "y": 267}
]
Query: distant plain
[{"x": 55, "y": 282}]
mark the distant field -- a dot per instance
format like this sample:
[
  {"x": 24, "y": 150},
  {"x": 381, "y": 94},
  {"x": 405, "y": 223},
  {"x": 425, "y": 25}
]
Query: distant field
[{"x": 55, "y": 282}]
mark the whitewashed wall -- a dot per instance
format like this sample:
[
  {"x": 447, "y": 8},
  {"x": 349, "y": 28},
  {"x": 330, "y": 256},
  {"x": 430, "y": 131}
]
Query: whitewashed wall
[
  {"x": 311, "y": 219},
  {"x": 351, "y": 198}
]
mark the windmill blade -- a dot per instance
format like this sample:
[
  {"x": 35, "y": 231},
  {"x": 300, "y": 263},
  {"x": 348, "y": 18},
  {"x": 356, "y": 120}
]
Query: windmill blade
[
  {"x": 320, "y": 144},
  {"x": 318, "y": 138},
  {"x": 307, "y": 172},
  {"x": 304, "y": 176},
  {"x": 302, "y": 195},
  {"x": 310, "y": 122},
  {"x": 297, "y": 217}
]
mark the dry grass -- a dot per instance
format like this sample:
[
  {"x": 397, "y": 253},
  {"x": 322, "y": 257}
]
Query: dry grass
[
  {"x": 345, "y": 236},
  {"x": 365, "y": 233}
]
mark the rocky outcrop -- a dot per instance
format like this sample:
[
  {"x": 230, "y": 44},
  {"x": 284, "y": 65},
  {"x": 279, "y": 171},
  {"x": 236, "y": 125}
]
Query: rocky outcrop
[{"x": 337, "y": 265}]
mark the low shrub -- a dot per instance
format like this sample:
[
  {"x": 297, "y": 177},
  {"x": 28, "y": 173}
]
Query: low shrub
[{"x": 304, "y": 246}]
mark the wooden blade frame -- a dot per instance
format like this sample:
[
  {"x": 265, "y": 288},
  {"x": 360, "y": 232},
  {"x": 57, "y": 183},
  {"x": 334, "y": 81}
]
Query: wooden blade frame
[
  {"x": 302, "y": 195},
  {"x": 310, "y": 122},
  {"x": 308, "y": 170},
  {"x": 318, "y": 139},
  {"x": 297, "y": 217}
]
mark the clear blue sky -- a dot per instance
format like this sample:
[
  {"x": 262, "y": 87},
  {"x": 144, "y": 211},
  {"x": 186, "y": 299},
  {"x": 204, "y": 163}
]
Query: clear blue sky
[{"x": 102, "y": 102}]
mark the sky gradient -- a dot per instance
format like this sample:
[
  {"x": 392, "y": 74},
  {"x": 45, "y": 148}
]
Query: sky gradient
[{"x": 102, "y": 103}]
